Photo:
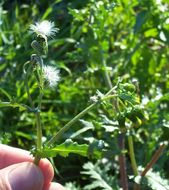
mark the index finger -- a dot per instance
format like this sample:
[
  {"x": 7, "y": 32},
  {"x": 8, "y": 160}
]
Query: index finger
[{"x": 10, "y": 155}]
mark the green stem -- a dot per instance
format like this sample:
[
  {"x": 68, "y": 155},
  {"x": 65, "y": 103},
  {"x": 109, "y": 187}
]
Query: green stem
[
  {"x": 77, "y": 117},
  {"x": 37, "y": 113},
  {"x": 38, "y": 120},
  {"x": 40, "y": 100},
  {"x": 106, "y": 74},
  {"x": 107, "y": 78},
  {"x": 39, "y": 131},
  {"x": 69, "y": 124},
  {"x": 39, "y": 137},
  {"x": 109, "y": 97},
  {"x": 132, "y": 155}
]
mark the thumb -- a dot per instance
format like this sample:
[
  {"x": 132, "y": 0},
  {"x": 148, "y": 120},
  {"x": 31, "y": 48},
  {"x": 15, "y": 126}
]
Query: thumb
[{"x": 21, "y": 176}]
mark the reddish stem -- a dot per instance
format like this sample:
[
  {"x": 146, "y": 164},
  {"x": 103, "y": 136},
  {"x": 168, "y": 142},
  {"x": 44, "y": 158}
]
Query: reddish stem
[
  {"x": 122, "y": 162},
  {"x": 154, "y": 159}
]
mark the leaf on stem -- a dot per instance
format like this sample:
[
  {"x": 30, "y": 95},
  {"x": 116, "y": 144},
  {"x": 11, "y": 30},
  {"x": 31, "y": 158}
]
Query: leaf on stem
[
  {"x": 14, "y": 105},
  {"x": 95, "y": 149}
]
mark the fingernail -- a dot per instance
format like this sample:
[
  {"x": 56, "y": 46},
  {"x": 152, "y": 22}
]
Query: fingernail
[{"x": 26, "y": 176}]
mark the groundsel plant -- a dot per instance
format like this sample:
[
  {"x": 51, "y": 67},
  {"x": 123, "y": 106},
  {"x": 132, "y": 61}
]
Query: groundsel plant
[
  {"x": 45, "y": 75},
  {"x": 129, "y": 113},
  {"x": 48, "y": 76}
]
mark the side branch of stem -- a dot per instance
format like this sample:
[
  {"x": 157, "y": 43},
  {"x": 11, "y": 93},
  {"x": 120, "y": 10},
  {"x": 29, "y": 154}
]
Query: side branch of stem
[
  {"x": 77, "y": 117},
  {"x": 154, "y": 159}
]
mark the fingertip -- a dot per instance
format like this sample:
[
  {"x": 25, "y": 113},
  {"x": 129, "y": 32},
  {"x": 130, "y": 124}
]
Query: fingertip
[
  {"x": 21, "y": 176},
  {"x": 47, "y": 170},
  {"x": 10, "y": 155}
]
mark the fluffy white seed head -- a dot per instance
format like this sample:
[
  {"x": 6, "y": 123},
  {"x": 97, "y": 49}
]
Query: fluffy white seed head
[
  {"x": 44, "y": 28},
  {"x": 51, "y": 75}
]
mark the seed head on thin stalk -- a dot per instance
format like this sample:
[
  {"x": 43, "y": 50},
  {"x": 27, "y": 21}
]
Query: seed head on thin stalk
[
  {"x": 51, "y": 75},
  {"x": 44, "y": 28}
]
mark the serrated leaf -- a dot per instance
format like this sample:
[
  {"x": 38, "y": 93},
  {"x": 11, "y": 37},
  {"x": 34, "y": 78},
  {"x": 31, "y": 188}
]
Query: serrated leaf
[
  {"x": 153, "y": 180},
  {"x": 95, "y": 149},
  {"x": 109, "y": 125},
  {"x": 99, "y": 176},
  {"x": 129, "y": 97}
]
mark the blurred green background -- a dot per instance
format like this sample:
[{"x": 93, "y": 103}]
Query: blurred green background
[{"x": 129, "y": 39}]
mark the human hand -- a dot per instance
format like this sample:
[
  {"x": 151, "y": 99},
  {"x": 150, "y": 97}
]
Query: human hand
[{"x": 17, "y": 171}]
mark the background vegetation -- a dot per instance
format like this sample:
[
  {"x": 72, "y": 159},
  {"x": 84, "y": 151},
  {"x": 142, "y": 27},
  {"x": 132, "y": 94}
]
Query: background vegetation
[{"x": 127, "y": 39}]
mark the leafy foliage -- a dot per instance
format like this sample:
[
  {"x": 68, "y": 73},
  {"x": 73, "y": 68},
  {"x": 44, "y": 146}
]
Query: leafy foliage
[
  {"x": 99, "y": 43},
  {"x": 153, "y": 180},
  {"x": 95, "y": 149},
  {"x": 71, "y": 185},
  {"x": 99, "y": 176}
]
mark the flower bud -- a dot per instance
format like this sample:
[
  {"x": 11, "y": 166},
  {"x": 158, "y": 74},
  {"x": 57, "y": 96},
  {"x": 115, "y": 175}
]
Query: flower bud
[{"x": 38, "y": 48}]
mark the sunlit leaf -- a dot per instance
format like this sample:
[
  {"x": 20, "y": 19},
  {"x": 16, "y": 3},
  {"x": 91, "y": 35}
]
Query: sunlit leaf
[{"x": 93, "y": 150}]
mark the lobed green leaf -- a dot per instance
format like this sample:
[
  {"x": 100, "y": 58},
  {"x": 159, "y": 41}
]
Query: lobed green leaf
[{"x": 95, "y": 149}]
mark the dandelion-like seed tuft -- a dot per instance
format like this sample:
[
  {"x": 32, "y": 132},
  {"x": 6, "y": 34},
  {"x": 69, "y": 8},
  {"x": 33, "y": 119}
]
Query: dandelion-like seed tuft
[
  {"x": 44, "y": 28},
  {"x": 51, "y": 75}
]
